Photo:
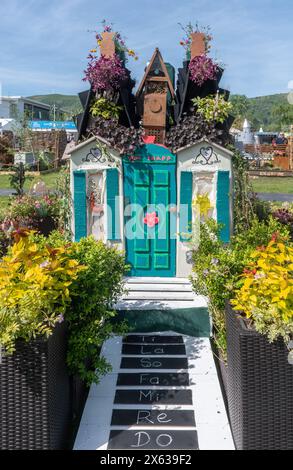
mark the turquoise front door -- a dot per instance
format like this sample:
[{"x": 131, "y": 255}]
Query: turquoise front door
[{"x": 150, "y": 211}]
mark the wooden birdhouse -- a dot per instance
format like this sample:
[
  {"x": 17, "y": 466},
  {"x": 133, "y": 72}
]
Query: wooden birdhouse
[{"x": 153, "y": 94}]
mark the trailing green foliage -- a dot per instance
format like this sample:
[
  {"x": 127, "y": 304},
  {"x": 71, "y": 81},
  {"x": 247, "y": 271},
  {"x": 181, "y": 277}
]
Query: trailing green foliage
[
  {"x": 213, "y": 108},
  {"x": 65, "y": 202},
  {"x": 243, "y": 202},
  {"x": 91, "y": 311},
  {"x": 105, "y": 108}
]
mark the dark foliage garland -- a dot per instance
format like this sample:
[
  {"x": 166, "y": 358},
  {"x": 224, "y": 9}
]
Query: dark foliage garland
[
  {"x": 189, "y": 130},
  {"x": 124, "y": 139}
]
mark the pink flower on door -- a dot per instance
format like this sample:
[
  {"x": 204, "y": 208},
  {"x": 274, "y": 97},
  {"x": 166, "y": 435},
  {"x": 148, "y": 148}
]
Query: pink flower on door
[{"x": 151, "y": 219}]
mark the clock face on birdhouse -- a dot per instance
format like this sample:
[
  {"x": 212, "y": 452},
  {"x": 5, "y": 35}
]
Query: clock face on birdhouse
[
  {"x": 155, "y": 109},
  {"x": 155, "y": 105}
]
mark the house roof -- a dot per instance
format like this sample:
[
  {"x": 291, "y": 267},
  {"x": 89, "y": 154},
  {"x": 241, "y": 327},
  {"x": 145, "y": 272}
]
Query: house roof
[
  {"x": 207, "y": 141},
  {"x": 155, "y": 55},
  {"x": 26, "y": 100},
  {"x": 88, "y": 141}
]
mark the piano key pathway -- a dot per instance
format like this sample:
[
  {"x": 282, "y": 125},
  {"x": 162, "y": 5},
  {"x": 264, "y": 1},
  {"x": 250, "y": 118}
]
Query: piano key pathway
[{"x": 163, "y": 393}]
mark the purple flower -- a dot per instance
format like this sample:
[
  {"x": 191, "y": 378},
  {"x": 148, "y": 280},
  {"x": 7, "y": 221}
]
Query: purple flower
[
  {"x": 202, "y": 68},
  {"x": 214, "y": 261},
  {"x": 206, "y": 272},
  {"x": 105, "y": 73},
  {"x": 60, "y": 318},
  {"x": 44, "y": 264}
]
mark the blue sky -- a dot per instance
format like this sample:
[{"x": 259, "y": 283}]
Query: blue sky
[{"x": 44, "y": 43}]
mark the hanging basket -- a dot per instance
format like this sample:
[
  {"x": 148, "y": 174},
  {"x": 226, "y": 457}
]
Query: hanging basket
[{"x": 201, "y": 69}]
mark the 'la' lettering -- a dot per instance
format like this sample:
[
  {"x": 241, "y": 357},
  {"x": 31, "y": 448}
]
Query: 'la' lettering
[{"x": 159, "y": 351}]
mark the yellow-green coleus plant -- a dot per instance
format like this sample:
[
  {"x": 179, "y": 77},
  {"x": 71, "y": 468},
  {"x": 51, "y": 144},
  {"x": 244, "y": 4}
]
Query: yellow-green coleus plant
[
  {"x": 105, "y": 108},
  {"x": 265, "y": 294},
  {"x": 34, "y": 289}
]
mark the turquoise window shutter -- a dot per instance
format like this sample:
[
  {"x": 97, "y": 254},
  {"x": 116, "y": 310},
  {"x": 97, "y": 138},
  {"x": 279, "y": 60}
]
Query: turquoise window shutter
[
  {"x": 80, "y": 209},
  {"x": 185, "y": 214},
  {"x": 113, "y": 217},
  {"x": 223, "y": 204}
]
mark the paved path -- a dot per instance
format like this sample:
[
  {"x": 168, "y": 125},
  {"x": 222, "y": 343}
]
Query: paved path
[
  {"x": 7, "y": 192},
  {"x": 163, "y": 393},
  {"x": 275, "y": 197}
]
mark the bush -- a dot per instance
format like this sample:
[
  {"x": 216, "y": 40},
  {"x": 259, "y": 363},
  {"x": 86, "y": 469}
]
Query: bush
[
  {"x": 90, "y": 313},
  {"x": 213, "y": 108},
  {"x": 44, "y": 281},
  {"x": 265, "y": 293},
  {"x": 105, "y": 108},
  {"x": 217, "y": 267},
  {"x": 34, "y": 289}
]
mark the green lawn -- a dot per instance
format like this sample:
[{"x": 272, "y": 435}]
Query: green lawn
[
  {"x": 4, "y": 201},
  {"x": 273, "y": 184},
  {"x": 48, "y": 178}
]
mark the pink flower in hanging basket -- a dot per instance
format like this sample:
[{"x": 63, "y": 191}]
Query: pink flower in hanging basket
[
  {"x": 151, "y": 219},
  {"x": 202, "y": 68},
  {"x": 105, "y": 73}
]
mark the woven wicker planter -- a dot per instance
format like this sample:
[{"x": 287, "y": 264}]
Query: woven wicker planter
[
  {"x": 35, "y": 408},
  {"x": 260, "y": 388}
]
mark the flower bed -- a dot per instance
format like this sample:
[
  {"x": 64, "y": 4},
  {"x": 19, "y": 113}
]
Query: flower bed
[{"x": 38, "y": 213}]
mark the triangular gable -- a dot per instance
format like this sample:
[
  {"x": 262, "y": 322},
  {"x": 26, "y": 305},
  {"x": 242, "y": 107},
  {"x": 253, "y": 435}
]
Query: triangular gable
[
  {"x": 207, "y": 141},
  {"x": 156, "y": 59}
]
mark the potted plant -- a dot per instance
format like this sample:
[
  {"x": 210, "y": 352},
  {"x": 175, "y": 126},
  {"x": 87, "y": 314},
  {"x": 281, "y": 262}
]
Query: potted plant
[
  {"x": 35, "y": 403},
  {"x": 40, "y": 213},
  {"x": 201, "y": 69},
  {"x": 259, "y": 338}
]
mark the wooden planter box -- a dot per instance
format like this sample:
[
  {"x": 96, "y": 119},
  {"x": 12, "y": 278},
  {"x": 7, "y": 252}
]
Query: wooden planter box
[
  {"x": 260, "y": 388},
  {"x": 35, "y": 402}
]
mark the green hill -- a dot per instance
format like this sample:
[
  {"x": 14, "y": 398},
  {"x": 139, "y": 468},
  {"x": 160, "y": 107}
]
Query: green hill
[
  {"x": 68, "y": 103},
  {"x": 272, "y": 113}
]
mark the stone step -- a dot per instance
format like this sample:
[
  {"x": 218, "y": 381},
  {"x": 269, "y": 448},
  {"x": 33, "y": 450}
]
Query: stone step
[
  {"x": 156, "y": 416},
  {"x": 163, "y": 295},
  {"x": 157, "y": 280},
  {"x": 148, "y": 287},
  {"x": 127, "y": 304}
]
